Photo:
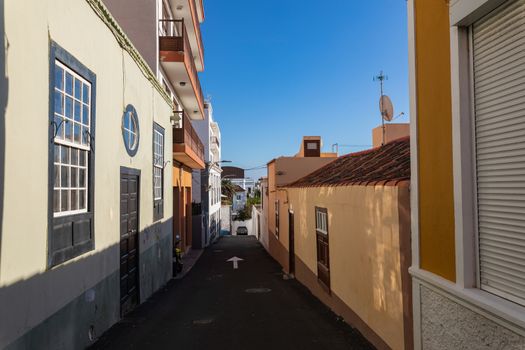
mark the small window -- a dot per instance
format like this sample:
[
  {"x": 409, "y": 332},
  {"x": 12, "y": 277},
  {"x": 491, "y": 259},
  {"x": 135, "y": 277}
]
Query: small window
[
  {"x": 158, "y": 172},
  {"x": 311, "y": 145},
  {"x": 323, "y": 254},
  {"x": 277, "y": 218},
  {"x": 130, "y": 130},
  {"x": 321, "y": 223}
]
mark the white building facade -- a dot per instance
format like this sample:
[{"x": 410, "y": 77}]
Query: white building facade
[
  {"x": 239, "y": 200},
  {"x": 246, "y": 183},
  {"x": 207, "y": 182}
]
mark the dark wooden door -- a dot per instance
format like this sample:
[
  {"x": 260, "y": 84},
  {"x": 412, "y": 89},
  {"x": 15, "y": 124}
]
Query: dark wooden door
[
  {"x": 188, "y": 226},
  {"x": 176, "y": 217},
  {"x": 323, "y": 259},
  {"x": 129, "y": 243},
  {"x": 291, "y": 241}
]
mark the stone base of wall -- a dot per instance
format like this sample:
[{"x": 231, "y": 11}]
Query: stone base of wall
[
  {"x": 78, "y": 324},
  {"x": 446, "y": 325},
  {"x": 156, "y": 261}
]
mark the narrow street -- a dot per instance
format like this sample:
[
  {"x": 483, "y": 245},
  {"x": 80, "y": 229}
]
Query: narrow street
[{"x": 218, "y": 307}]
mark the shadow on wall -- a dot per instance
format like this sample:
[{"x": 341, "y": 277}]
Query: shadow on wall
[
  {"x": 74, "y": 303},
  {"x": 382, "y": 297},
  {"x": 4, "y": 92},
  {"x": 57, "y": 302}
]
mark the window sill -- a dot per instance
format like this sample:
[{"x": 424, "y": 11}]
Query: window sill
[{"x": 501, "y": 311}]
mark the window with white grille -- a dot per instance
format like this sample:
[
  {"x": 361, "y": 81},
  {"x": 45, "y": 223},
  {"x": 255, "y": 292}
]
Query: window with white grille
[
  {"x": 72, "y": 108},
  {"x": 498, "y": 49},
  {"x": 322, "y": 246},
  {"x": 321, "y": 222},
  {"x": 158, "y": 171},
  {"x": 71, "y": 157}
]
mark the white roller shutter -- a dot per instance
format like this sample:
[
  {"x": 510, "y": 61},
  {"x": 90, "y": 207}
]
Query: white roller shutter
[{"x": 499, "y": 95}]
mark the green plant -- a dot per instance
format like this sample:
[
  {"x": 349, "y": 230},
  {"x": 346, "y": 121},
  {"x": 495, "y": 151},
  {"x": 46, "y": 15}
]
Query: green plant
[{"x": 227, "y": 189}]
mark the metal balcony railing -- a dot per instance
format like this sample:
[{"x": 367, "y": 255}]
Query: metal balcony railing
[
  {"x": 173, "y": 37},
  {"x": 215, "y": 140},
  {"x": 186, "y": 134}
]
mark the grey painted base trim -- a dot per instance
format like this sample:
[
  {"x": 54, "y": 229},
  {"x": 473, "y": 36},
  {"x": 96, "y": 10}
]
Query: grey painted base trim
[
  {"x": 446, "y": 324},
  {"x": 83, "y": 320},
  {"x": 156, "y": 261},
  {"x": 89, "y": 315}
]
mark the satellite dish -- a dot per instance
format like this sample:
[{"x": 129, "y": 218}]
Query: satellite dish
[{"x": 386, "y": 108}]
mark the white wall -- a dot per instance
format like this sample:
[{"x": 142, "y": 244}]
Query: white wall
[
  {"x": 260, "y": 222},
  {"x": 239, "y": 201},
  {"x": 225, "y": 217},
  {"x": 247, "y": 223}
]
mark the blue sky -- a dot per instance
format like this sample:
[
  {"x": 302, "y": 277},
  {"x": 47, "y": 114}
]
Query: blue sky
[{"x": 280, "y": 69}]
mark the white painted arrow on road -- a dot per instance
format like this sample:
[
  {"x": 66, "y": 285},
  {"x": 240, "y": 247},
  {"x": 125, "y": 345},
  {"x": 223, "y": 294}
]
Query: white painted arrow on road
[{"x": 235, "y": 262}]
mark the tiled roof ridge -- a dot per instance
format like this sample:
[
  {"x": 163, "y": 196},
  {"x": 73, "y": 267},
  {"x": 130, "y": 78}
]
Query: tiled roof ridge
[
  {"x": 365, "y": 151},
  {"x": 386, "y": 165},
  {"x": 238, "y": 188}
]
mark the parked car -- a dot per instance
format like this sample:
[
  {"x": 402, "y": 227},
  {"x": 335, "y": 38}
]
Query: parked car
[{"x": 242, "y": 230}]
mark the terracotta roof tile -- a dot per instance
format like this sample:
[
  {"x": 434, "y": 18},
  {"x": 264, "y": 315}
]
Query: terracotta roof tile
[
  {"x": 237, "y": 188},
  {"x": 388, "y": 165}
]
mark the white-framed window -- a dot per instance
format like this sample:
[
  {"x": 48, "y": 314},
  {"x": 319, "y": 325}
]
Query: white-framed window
[
  {"x": 158, "y": 172},
  {"x": 71, "y": 157},
  {"x": 72, "y": 110},
  {"x": 498, "y": 67},
  {"x": 489, "y": 146},
  {"x": 158, "y": 165},
  {"x": 321, "y": 222},
  {"x": 322, "y": 246},
  {"x": 311, "y": 145},
  {"x": 130, "y": 129}
]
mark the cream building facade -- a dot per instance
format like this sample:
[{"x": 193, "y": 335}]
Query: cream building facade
[{"x": 86, "y": 125}]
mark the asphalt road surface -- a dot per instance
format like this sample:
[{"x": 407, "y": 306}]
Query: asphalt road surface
[{"x": 218, "y": 307}]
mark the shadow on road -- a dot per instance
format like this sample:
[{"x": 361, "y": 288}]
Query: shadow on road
[{"x": 218, "y": 307}]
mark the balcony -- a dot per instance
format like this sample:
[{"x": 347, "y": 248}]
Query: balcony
[
  {"x": 192, "y": 11},
  {"x": 187, "y": 146},
  {"x": 215, "y": 141},
  {"x": 176, "y": 59}
]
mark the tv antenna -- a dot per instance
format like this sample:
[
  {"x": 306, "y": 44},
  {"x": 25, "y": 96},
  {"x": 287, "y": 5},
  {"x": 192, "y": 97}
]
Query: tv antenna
[{"x": 386, "y": 108}]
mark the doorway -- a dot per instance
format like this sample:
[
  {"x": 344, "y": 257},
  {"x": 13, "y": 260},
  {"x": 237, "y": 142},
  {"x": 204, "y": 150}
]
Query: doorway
[
  {"x": 291, "y": 242},
  {"x": 129, "y": 242}
]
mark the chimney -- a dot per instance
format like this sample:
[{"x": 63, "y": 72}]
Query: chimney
[
  {"x": 393, "y": 131},
  {"x": 310, "y": 147}
]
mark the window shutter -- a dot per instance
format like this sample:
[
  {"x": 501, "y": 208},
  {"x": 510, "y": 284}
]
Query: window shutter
[{"x": 499, "y": 94}]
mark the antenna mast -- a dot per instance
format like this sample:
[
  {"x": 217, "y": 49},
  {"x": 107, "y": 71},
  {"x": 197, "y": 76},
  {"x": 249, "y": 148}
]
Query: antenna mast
[{"x": 381, "y": 78}]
